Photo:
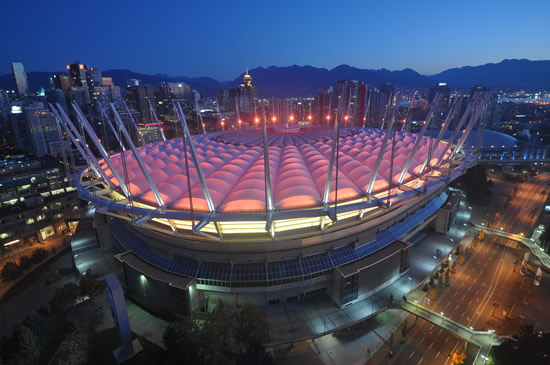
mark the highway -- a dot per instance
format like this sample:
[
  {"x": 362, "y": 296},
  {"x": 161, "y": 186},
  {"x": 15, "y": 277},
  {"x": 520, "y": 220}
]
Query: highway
[{"x": 487, "y": 277}]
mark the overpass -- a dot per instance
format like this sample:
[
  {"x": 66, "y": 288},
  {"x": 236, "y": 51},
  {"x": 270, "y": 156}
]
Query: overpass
[
  {"x": 514, "y": 155},
  {"x": 528, "y": 242},
  {"x": 483, "y": 339}
]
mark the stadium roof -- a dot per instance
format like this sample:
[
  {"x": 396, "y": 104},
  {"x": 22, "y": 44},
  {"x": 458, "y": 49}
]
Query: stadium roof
[{"x": 233, "y": 164}]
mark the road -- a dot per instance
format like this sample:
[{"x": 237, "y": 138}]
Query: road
[{"x": 488, "y": 276}]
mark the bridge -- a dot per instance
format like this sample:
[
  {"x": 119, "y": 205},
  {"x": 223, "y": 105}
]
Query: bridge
[
  {"x": 528, "y": 242},
  {"x": 483, "y": 339},
  {"x": 515, "y": 155}
]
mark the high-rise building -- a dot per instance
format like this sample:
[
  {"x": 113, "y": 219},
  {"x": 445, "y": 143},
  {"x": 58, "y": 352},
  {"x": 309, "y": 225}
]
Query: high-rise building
[
  {"x": 44, "y": 135},
  {"x": 138, "y": 97},
  {"x": 177, "y": 90},
  {"x": 80, "y": 75},
  {"x": 244, "y": 96},
  {"x": 20, "y": 77},
  {"x": 378, "y": 99},
  {"x": 60, "y": 81},
  {"x": 351, "y": 96}
]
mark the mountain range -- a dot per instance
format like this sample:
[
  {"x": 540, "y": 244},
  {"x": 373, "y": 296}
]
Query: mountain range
[{"x": 307, "y": 80}]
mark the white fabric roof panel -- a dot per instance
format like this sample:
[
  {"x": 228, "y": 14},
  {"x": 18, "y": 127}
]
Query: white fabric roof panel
[{"x": 233, "y": 167}]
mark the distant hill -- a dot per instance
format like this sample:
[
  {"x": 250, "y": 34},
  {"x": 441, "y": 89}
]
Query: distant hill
[
  {"x": 307, "y": 80},
  {"x": 36, "y": 80},
  {"x": 206, "y": 85},
  {"x": 513, "y": 73}
]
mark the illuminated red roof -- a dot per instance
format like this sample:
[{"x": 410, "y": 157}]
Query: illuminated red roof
[{"x": 233, "y": 164}]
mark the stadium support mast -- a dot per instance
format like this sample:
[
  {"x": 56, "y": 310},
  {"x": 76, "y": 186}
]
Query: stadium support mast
[
  {"x": 154, "y": 115},
  {"x": 267, "y": 174},
  {"x": 419, "y": 139},
  {"x": 84, "y": 122},
  {"x": 380, "y": 156},
  {"x": 133, "y": 121},
  {"x": 112, "y": 127},
  {"x": 220, "y": 122},
  {"x": 138, "y": 158},
  {"x": 75, "y": 137},
  {"x": 326, "y": 195},
  {"x": 448, "y": 119},
  {"x": 187, "y": 136},
  {"x": 479, "y": 110},
  {"x": 463, "y": 119},
  {"x": 366, "y": 116},
  {"x": 200, "y": 117}
]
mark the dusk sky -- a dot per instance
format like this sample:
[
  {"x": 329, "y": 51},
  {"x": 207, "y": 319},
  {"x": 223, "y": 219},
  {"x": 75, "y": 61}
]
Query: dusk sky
[{"x": 221, "y": 38}]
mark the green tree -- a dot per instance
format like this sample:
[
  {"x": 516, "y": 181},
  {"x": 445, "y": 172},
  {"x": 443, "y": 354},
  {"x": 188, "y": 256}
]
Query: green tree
[
  {"x": 39, "y": 255},
  {"x": 404, "y": 329},
  {"x": 25, "y": 263},
  {"x": 64, "y": 298},
  {"x": 11, "y": 272},
  {"x": 251, "y": 327},
  {"x": 447, "y": 276},
  {"x": 91, "y": 285}
]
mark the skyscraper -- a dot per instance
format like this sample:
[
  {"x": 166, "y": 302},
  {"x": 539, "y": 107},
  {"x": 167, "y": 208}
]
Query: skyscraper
[{"x": 20, "y": 77}]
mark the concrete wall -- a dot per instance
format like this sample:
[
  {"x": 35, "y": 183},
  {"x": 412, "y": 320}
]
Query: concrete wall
[{"x": 153, "y": 291}]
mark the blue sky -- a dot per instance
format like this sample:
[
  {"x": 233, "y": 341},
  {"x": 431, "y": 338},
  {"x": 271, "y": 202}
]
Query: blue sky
[{"x": 221, "y": 38}]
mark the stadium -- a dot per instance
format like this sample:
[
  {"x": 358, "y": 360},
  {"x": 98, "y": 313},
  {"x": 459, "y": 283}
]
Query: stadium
[{"x": 268, "y": 215}]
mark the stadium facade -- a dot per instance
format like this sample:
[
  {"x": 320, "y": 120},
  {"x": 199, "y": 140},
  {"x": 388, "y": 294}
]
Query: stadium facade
[{"x": 267, "y": 215}]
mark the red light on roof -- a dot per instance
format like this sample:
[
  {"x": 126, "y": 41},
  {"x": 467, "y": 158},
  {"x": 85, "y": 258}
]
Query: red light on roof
[
  {"x": 257, "y": 120},
  {"x": 91, "y": 68},
  {"x": 346, "y": 117},
  {"x": 274, "y": 118},
  {"x": 240, "y": 121},
  {"x": 309, "y": 117},
  {"x": 292, "y": 117},
  {"x": 328, "y": 117}
]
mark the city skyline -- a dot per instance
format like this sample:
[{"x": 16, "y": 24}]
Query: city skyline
[{"x": 220, "y": 41}]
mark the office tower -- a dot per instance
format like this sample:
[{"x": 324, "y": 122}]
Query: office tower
[
  {"x": 351, "y": 96},
  {"x": 322, "y": 102},
  {"x": 137, "y": 97},
  {"x": 79, "y": 74},
  {"x": 132, "y": 82},
  {"x": 177, "y": 90},
  {"x": 243, "y": 96},
  {"x": 20, "y": 77},
  {"x": 97, "y": 78},
  {"x": 44, "y": 135},
  {"x": 60, "y": 81}
]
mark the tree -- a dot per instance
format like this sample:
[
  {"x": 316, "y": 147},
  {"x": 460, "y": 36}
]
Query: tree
[
  {"x": 436, "y": 275},
  {"x": 458, "y": 357},
  {"x": 404, "y": 329},
  {"x": 431, "y": 282},
  {"x": 224, "y": 318},
  {"x": 425, "y": 288},
  {"x": 64, "y": 298},
  {"x": 457, "y": 251},
  {"x": 11, "y": 272},
  {"x": 453, "y": 268},
  {"x": 447, "y": 276},
  {"x": 91, "y": 285},
  {"x": 25, "y": 262},
  {"x": 530, "y": 347},
  {"x": 251, "y": 328},
  {"x": 39, "y": 255}
]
